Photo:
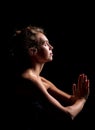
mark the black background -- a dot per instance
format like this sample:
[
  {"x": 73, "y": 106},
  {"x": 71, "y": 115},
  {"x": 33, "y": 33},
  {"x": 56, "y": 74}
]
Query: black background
[{"x": 70, "y": 29}]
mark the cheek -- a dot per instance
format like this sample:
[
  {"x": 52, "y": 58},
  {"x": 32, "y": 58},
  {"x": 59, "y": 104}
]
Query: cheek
[{"x": 43, "y": 52}]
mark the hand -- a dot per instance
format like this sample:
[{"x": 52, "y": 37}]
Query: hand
[{"x": 81, "y": 89}]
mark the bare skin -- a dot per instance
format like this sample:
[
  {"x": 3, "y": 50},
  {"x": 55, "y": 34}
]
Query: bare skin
[{"x": 80, "y": 90}]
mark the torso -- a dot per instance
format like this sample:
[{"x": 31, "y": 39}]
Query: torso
[
  {"x": 32, "y": 77},
  {"x": 45, "y": 83}
]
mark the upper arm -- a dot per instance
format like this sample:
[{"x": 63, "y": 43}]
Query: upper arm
[
  {"x": 55, "y": 91},
  {"x": 52, "y": 100}
]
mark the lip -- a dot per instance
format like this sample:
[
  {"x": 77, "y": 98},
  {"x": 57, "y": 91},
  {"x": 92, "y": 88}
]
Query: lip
[{"x": 51, "y": 54}]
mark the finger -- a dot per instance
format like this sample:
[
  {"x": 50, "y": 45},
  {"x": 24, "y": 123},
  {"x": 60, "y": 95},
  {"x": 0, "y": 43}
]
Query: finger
[
  {"x": 87, "y": 86},
  {"x": 80, "y": 84},
  {"x": 84, "y": 86},
  {"x": 88, "y": 83},
  {"x": 74, "y": 89},
  {"x": 86, "y": 90},
  {"x": 85, "y": 77}
]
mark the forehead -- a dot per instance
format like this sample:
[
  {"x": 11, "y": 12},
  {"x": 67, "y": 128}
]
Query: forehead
[{"x": 41, "y": 37}]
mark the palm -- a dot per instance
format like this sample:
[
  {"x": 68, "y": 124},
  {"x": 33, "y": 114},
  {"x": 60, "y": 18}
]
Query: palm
[{"x": 81, "y": 89}]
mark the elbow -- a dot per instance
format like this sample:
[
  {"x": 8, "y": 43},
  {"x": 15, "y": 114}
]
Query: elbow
[
  {"x": 71, "y": 116},
  {"x": 71, "y": 113}
]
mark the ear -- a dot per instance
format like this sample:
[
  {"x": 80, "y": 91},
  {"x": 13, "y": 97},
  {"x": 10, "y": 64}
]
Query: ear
[{"x": 32, "y": 51}]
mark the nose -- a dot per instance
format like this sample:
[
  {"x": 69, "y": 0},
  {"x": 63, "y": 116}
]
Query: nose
[{"x": 50, "y": 47}]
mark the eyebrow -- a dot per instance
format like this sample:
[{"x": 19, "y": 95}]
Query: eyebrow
[{"x": 43, "y": 41}]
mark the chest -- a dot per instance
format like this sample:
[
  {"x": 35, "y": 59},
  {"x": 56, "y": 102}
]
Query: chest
[{"x": 46, "y": 85}]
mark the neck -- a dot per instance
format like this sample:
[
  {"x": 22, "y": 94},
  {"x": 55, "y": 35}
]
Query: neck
[{"x": 35, "y": 69}]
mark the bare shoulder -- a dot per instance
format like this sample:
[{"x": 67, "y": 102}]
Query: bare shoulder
[
  {"x": 39, "y": 81},
  {"x": 48, "y": 82},
  {"x": 45, "y": 80},
  {"x": 30, "y": 76}
]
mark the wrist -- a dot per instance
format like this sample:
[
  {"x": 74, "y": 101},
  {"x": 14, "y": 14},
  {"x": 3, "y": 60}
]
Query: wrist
[{"x": 83, "y": 99}]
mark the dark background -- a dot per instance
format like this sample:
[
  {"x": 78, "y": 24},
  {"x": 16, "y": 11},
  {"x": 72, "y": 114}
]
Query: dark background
[{"x": 70, "y": 28}]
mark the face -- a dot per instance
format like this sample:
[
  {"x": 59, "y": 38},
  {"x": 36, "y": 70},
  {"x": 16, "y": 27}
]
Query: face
[{"x": 44, "y": 52}]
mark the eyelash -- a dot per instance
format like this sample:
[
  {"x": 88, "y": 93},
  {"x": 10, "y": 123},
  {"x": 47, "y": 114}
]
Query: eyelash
[{"x": 45, "y": 43}]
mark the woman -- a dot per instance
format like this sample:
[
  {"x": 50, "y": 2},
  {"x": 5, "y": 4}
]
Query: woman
[{"x": 34, "y": 93}]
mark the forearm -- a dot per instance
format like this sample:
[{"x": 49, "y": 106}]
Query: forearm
[
  {"x": 72, "y": 110},
  {"x": 76, "y": 107},
  {"x": 60, "y": 95}
]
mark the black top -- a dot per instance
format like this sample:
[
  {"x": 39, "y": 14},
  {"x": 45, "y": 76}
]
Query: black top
[{"x": 31, "y": 104}]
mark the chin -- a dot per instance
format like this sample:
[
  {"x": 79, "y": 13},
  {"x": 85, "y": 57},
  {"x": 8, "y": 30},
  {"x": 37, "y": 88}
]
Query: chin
[{"x": 50, "y": 59}]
